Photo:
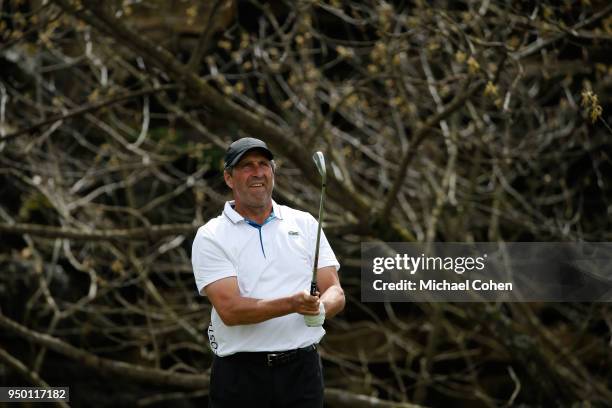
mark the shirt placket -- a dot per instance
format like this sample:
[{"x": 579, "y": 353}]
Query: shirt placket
[{"x": 260, "y": 232}]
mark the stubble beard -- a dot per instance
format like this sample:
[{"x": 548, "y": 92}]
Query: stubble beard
[{"x": 258, "y": 201}]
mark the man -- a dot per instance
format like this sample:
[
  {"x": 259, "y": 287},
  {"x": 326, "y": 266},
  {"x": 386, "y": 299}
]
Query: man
[{"x": 254, "y": 262}]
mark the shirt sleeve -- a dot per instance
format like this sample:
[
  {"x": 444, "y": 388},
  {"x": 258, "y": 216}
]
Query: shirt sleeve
[{"x": 209, "y": 260}]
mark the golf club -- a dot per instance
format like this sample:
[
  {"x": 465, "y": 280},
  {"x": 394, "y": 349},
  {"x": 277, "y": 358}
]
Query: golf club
[{"x": 319, "y": 160}]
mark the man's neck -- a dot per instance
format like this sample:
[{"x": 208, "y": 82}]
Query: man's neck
[{"x": 257, "y": 214}]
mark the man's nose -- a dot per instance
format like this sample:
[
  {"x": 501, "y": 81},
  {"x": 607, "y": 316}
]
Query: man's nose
[{"x": 258, "y": 170}]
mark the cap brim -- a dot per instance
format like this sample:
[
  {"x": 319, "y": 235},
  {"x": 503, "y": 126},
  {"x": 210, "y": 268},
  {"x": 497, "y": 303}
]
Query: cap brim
[{"x": 236, "y": 159}]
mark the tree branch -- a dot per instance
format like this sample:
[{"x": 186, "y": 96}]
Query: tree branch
[
  {"x": 341, "y": 398},
  {"x": 204, "y": 40},
  {"x": 410, "y": 152},
  {"x": 141, "y": 233},
  {"x": 106, "y": 366},
  {"x": 256, "y": 124},
  {"x": 87, "y": 109}
]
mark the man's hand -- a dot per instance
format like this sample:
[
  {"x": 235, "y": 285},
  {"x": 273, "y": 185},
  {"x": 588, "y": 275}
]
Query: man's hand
[
  {"x": 305, "y": 304},
  {"x": 315, "y": 321},
  {"x": 313, "y": 309}
]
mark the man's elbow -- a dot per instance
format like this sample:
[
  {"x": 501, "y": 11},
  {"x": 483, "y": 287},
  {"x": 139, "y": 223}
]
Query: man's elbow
[
  {"x": 229, "y": 322},
  {"x": 229, "y": 318},
  {"x": 339, "y": 300},
  {"x": 342, "y": 301}
]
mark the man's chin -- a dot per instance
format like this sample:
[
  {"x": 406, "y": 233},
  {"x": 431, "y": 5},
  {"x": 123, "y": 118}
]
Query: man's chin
[{"x": 260, "y": 203}]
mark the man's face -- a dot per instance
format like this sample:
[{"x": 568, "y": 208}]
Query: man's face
[{"x": 252, "y": 180}]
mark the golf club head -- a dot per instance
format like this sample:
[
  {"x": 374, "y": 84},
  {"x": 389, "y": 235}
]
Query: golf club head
[{"x": 319, "y": 160}]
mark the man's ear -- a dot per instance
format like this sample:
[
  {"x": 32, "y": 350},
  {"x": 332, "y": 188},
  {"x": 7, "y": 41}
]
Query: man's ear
[{"x": 228, "y": 179}]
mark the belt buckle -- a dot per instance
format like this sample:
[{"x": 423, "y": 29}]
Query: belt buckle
[{"x": 271, "y": 357}]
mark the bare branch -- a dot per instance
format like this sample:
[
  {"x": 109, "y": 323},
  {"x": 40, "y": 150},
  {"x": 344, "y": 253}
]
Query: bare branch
[{"x": 111, "y": 367}]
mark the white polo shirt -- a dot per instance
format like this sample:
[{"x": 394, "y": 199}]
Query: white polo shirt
[{"x": 271, "y": 261}]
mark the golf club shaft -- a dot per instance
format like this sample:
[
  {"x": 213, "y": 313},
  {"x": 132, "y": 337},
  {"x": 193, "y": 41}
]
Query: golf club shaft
[{"x": 313, "y": 284}]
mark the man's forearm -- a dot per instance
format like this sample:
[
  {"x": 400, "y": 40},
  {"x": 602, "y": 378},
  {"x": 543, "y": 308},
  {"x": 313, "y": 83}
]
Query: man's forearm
[
  {"x": 235, "y": 310},
  {"x": 245, "y": 310},
  {"x": 333, "y": 300}
]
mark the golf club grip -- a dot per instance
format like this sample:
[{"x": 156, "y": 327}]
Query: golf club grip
[{"x": 313, "y": 288}]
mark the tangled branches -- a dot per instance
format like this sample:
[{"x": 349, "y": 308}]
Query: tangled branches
[{"x": 458, "y": 121}]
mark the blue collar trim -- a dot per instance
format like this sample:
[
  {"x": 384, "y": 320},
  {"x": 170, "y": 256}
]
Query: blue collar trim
[{"x": 256, "y": 225}]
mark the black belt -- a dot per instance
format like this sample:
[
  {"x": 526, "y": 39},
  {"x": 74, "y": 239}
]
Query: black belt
[{"x": 270, "y": 358}]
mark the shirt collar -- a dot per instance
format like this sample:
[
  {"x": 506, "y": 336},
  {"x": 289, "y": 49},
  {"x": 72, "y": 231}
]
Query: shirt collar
[
  {"x": 276, "y": 209},
  {"x": 235, "y": 217}
]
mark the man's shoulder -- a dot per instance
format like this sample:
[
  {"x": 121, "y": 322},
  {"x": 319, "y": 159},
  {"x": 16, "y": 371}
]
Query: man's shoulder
[
  {"x": 215, "y": 226},
  {"x": 297, "y": 215}
]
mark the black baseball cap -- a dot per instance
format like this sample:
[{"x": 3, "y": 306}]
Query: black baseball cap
[{"x": 237, "y": 149}]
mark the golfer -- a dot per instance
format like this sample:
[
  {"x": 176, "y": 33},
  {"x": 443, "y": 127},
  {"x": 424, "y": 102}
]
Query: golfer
[{"x": 254, "y": 262}]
